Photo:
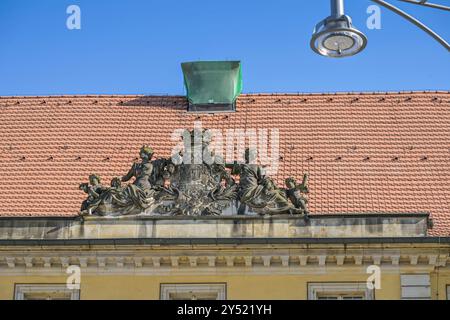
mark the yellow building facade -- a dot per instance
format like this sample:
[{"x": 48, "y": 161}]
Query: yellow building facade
[{"x": 217, "y": 258}]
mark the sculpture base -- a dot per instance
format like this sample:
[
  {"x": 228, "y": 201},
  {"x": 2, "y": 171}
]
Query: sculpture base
[{"x": 223, "y": 227}]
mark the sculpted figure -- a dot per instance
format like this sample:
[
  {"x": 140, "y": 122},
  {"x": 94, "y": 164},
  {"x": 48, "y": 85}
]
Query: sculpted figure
[
  {"x": 169, "y": 174},
  {"x": 166, "y": 186},
  {"x": 250, "y": 177},
  {"x": 223, "y": 187},
  {"x": 169, "y": 189},
  {"x": 159, "y": 169},
  {"x": 141, "y": 171},
  {"x": 115, "y": 200},
  {"x": 294, "y": 192},
  {"x": 275, "y": 199},
  {"x": 94, "y": 190},
  {"x": 259, "y": 192},
  {"x": 219, "y": 173},
  {"x": 116, "y": 184},
  {"x": 141, "y": 192}
]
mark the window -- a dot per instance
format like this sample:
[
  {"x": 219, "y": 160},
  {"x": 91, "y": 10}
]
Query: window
[
  {"x": 415, "y": 286},
  {"x": 340, "y": 296},
  {"x": 214, "y": 291},
  {"x": 339, "y": 291},
  {"x": 45, "y": 292}
]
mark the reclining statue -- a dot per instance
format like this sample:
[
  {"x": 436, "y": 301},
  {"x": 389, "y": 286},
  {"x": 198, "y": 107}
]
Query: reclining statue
[
  {"x": 135, "y": 198},
  {"x": 258, "y": 192}
]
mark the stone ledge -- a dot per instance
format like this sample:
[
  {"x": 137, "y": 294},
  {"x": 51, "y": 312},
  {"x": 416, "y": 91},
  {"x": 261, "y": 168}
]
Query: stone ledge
[{"x": 231, "y": 227}]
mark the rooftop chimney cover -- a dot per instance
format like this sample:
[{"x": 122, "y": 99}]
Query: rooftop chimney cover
[{"x": 212, "y": 85}]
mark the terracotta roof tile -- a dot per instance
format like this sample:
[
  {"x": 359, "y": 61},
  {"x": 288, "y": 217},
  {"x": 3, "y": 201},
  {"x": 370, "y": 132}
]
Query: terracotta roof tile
[{"x": 366, "y": 152}]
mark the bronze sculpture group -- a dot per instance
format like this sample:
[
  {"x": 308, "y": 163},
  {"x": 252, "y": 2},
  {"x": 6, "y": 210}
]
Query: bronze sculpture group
[{"x": 161, "y": 187}]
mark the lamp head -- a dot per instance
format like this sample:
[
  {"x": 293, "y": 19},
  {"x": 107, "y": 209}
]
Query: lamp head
[{"x": 336, "y": 37}]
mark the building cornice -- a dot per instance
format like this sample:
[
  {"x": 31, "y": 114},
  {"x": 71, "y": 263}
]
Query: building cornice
[
  {"x": 226, "y": 259},
  {"x": 223, "y": 241}
]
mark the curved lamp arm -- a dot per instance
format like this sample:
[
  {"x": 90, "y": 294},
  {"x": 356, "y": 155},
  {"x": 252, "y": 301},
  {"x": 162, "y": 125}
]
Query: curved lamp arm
[
  {"x": 425, "y": 3},
  {"x": 414, "y": 21}
]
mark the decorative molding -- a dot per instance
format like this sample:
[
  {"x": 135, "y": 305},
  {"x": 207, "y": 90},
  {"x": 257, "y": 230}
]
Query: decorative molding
[
  {"x": 248, "y": 261},
  {"x": 432, "y": 259},
  {"x": 284, "y": 261},
  {"x": 64, "y": 262},
  {"x": 192, "y": 261},
  {"x": 156, "y": 262},
  {"x": 413, "y": 259},
  {"x": 218, "y": 289},
  {"x": 10, "y": 261},
  {"x": 303, "y": 260},
  {"x": 22, "y": 289},
  {"x": 322, "y": 260},
  {"x": 211, "y": 261},
  {"x": 358, "y": 259},
  {"x": 315, "y": 289},
  {"x": 174, "y": 261},
  {"x": 83, "y": 262},
  {"x": 442, "y": 260},
  {"x": 395, "y": 260},
  {"x": 230, "y": 261},
  {"x": 101, "y": 262},
  {"x": 266, "y": 260},
  {"x": 29, "y": 261},
  {"x": 121, "y": 261},
  {"x": 47, "y": 262},
  {"x": 340, "y": 260},
  {"x": 376, "y": 259},
  {"x": 138, "y": 262}
]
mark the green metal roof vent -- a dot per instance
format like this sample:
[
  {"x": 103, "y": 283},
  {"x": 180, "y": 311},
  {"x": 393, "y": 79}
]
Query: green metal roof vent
[{"x": 212, "y": 86}]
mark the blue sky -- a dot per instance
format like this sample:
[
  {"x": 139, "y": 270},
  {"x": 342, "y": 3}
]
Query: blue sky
[{"x": 136, "y": 47}]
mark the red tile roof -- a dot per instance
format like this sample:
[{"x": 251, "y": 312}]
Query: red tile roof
[{"x": 366, "y": 152}]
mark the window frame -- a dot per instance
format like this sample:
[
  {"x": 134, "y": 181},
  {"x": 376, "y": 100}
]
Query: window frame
[
  {"x": 166, "y": 289},
  {"x": 341, "y": 288},
  {"x": 405, "y": 285},
  {"x": 20, "y": 289}
]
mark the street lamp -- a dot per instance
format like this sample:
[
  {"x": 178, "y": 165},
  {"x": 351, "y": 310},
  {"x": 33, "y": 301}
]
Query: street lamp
[{"x": 335, "y": 36}]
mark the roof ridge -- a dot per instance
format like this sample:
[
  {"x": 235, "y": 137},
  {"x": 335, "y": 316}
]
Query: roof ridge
[
  {"x": 244, "y": 94},
  {"x": 347, "y": 93},
  {"x": 93, "y": 96}
]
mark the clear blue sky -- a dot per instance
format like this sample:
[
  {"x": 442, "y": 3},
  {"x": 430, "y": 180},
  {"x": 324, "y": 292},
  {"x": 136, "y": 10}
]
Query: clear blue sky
[{"x": 136, "y": 47}]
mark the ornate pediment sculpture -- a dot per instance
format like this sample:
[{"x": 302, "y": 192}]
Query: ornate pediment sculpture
[{"x": 162, "y": 187}]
